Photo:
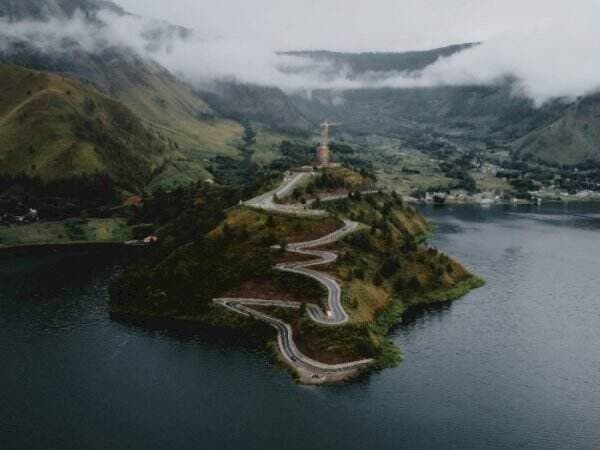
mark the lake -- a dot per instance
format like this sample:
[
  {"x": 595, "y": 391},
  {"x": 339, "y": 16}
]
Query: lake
[{"x": 515, "y": 364}]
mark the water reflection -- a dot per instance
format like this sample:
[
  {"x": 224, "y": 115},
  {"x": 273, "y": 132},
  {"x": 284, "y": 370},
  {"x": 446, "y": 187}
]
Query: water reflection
[
  {"x": 513, "y": 365},
  {"x": 417, "y": 315},
  {"x": 189, "y": 332}
]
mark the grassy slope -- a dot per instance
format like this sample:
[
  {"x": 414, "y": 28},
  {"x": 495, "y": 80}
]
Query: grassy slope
[
  {"x": 175, "y": 110},
  {"x": 266, "y": 147},
  {"x": 572, "y": 139},
  {"x": 181, "y": 121},
  {"x": 390, "y": 239},
  {"x": 396, "y": 165},
  {"x": 46, "y": 130},
  {"x": 184, "y": 121}
]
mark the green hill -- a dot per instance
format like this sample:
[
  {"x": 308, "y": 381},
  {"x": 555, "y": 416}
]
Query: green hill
[
  {"x": 159, "y": 99},
  {"x": 192, "y": 130},
  {"x": 267, "y": 105},
  {"x": 361, "y": 63},
  {"x": 383, "y": 270},
  {"x": 53, "y": 127},
  {"x": 572, "y": 139}
]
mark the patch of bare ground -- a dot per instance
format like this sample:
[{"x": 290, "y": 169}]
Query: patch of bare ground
[
  {"x": 288, "y": 257},
  {"x": 264, "y": 290},
  {"x": 316, "y": 230}
]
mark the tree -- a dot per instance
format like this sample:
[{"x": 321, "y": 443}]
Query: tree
[
  {"x": 390, "y": 267},
  {"x": 414, "y": 284},
  {"x": 89, "y": 106},
  {"x": 228, "y": 233},
  {"x": 397, "y": 198},
  {"x": 387, "y": 209},
  {"x": 359, "y": 273},
  {"x": 399, "y": 284}
]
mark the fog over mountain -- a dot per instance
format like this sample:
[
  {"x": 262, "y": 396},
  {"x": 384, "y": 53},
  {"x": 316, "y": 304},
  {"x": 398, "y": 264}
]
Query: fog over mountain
[{"x": 549, "y": 51}]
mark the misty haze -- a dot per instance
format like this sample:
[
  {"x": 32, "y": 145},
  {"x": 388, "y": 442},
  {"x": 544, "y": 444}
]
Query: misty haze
[{"x": 311, "y": 224}]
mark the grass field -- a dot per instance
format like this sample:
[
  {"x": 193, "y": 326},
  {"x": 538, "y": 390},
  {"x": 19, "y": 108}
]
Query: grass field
[
  {"x": 173, "y": 109},
  {"x": 403, "y": 169},
  {"x": 266, "y": 148},
  {"x": 66, "y": 232}
]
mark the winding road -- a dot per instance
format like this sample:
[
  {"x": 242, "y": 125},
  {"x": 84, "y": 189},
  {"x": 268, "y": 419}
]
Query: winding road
[
  {"x": 334, "y": 314},
  {"x": 266, "y": 202}
]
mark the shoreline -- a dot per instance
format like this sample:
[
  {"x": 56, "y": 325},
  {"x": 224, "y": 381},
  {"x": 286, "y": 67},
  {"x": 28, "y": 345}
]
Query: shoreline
[
  {"x": 509, "y": 203},
  {"x": 55, "y": 247},
  {"x": 237, "y": 329}
]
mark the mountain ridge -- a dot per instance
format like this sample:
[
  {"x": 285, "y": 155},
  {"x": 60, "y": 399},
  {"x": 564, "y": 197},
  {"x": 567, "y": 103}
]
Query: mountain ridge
[
  {"x": 54, "y": 127},
  {"x": 375, "y": 61},
  {"x": 18, "y": 10},
  {"x": 205, "y": 124}
]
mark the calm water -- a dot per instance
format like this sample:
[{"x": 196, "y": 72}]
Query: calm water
[{"x": 516, "y": 364}]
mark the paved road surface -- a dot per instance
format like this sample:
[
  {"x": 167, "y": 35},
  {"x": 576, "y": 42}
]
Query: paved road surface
[
  {"x": 266, "y": 201},
  {"x": 334, "y": 315}
]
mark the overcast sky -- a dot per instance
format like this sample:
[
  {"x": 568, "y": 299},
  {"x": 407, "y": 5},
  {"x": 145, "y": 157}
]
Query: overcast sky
[
  {"x": 550, "y": 48},
  {"x": 364, "y": 24}
]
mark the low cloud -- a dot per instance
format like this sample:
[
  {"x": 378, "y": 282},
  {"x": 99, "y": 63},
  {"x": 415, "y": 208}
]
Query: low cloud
[{"x": 556, "y": 60}]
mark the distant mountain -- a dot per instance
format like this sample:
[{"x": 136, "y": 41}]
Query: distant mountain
[
  {"x": 571, "y": 139},
  {"x": 474, "y": 112},
  {"x": 484, "y": 114},
  {"x": 268, "y": 105},
  {"x": 271, "y": 106},
  {"x": 204, "y": 124},
  {"x": 360, "y": 63},
  {"x": 364, "y": 111},
  {"x": 18, "y": 10},
  {"x": 478, "y": 114},
  {"x": 53, "y": 127}
]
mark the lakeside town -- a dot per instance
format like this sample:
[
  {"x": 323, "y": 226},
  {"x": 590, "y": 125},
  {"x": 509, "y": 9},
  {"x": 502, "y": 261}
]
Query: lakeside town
[
  {"x": 488, "y": 198},
  {"x": 512, "y": 182}
]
